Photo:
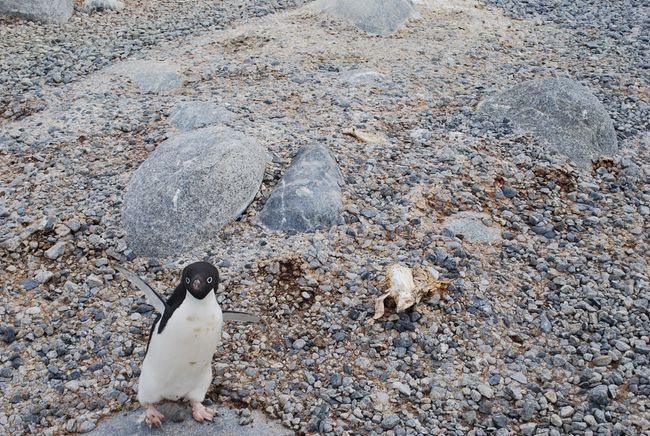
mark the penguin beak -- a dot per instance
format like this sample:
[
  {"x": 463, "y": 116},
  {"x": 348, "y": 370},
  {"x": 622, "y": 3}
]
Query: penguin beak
[{"x": 196, "y": 284}]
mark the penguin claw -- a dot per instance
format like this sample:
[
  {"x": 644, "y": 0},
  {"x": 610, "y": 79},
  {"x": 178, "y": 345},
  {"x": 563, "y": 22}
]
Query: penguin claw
[
  {"x": 202, "y": 413},
  {"x": 153, "y": 418}
]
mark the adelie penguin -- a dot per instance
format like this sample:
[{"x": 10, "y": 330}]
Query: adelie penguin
[{"x": 184, "y": 336}]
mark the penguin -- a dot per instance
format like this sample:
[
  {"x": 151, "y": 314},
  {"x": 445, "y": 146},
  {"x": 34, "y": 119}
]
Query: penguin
[{"x": 183, "y": 338}]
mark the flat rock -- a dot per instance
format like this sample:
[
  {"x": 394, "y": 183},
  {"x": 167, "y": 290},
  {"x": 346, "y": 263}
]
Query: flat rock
[
  {"x": 559, "y": 112},
  {"x": 195, "y": 114},
  {"x": 151, "y": 76},
  {"x": 361, "y": 77},
  {"x": 379, "y": 17},
  {"x": 471, "y": 226},
  {"x": 46, "y": 11},
  {"x": 190, "y": 187},
  {"x": 102, "y": 5},
  {"x": 308, "y": 197},
  {"x": 179, "y": 421}
]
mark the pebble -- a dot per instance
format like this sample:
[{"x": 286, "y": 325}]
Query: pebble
[{"x": 55, "y": 251}]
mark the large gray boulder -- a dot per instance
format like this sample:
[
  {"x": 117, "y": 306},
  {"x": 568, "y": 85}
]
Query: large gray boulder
[
  {"x": 379, "y": 17},
  {"x": 308, "y": 197},
  {"x": 190, "y": 187},
  {"x": 46, "y": 11},
  {"x": 559, "y": 112},
  {"x": 194, "y": 114}
]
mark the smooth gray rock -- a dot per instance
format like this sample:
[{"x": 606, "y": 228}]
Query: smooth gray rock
[
  {"x": 471, "y": 226},
  {"x": 361, "y": 77},
  {"x": 151, "y": 76},
  {"x": 46, "y": 11},
  {"x": 308, "y": 197},
  {"x": 179, "y": 421},
  {"x": 379, "y": 17},
  {"x": 190, "y": 187},
  {"x": 559, "y": 112},
  {"x": 195, "y": 114},
  {"x": 102, "y": 5}
]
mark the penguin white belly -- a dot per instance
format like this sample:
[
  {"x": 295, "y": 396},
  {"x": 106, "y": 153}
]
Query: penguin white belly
[{"x": 178, "y": 363}]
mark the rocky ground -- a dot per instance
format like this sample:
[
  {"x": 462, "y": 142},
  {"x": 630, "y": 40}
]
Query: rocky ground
[{"x": 543, "y": 330}]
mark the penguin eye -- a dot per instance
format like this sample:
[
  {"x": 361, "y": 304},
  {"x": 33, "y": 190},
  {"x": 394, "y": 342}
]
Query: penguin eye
[
  {"x": 209, "y": 279},
  {"x": 187, "y": 280}
]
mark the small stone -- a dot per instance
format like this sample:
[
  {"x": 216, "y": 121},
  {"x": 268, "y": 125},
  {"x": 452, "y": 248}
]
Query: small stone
[
  {"x": 544, "y": 323},
  {"x": 94, "y": 281},
  {"x": 500, "y": 421},
  {"x": 566, "y": 411},
  {"x": 86, "y": 426},
  {"x": 556, "y": 420},
  {"x": 55, "y": 251},
  {"x": 528, "y": 429},
  {"x": 485, "y": 390},
  {"x": 29, "y": 284},
  {"x": 33, "y": 310},
  {"x": 438, "y": 393},
  {"x": 599, "y": 395},
  {"x": 509, "y": 192},
  {"x": 74, "y": 225},
  {"x": 551, "y": 396},
  {"x": 43, "y": 276},
  {"x": 519, "y": 377},
  {"x": 402, "y": 388},
  {"x": 299, "y": 344},
  {"x": 390, "y": 421},
  {"x": 603, "y": 360}
]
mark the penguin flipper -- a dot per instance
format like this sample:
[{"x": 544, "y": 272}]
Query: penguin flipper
[
  {"x": 233, "y": 315},
  {"x": 154, "y": 297}
]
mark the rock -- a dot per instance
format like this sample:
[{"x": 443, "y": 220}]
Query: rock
[
  {"x": 361, "y": 77},
  {"x": 559, "y": 112},
  {"x": 308, "y": 197},
  {"x": 100, "y": 6},
  {"x": 528, "y": 428},
  {"x": 544, "y": 322},
  {"x": 87, "y": 426},
  {"x": 556, "y": 421},
  {"x": 485, "y": 390},
  {"x": 599, "y": 395},
  {"x": 566, "y": 411},
  {"x": 151, "y": 76},
  {"x": 94, "y": 281},
  {"x": 46, "y": 11},
  {"x": 603, "y": 360},
  {"x": 470, "y": 225},
  {"x": 403, "y": 388},
  {"x": 190, "y": 187},
  {"x": 438, "y": 393},
  {"x": 380, "y": 17},
  {"x": 43, "y": 276},
  {"x": 55, "y": 251},
  {"x": 500, "y": 421},
  {"x": 195, "y": 114},
  {"x": 390, "y": 421},
  {"x": 298, "y": 344},
  {"x": 551, "y": 396}
]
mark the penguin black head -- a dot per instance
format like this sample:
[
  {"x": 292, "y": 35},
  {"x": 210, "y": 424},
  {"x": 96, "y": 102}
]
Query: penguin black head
[{"x": 199, "y": 279}]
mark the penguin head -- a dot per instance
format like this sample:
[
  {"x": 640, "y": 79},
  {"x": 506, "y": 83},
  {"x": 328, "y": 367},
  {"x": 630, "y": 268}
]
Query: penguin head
[{"x": 199, "y": 279}]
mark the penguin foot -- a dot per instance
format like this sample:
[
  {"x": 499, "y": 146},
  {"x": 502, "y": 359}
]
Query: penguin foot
[
  {"x": 153, "y": 417},
  {"x": 200, "y": 412}
]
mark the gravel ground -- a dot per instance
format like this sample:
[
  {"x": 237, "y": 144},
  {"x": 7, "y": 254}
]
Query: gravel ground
[
  {"x": 34, "y": 55},
  {"x": 544, "y": 331}
]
